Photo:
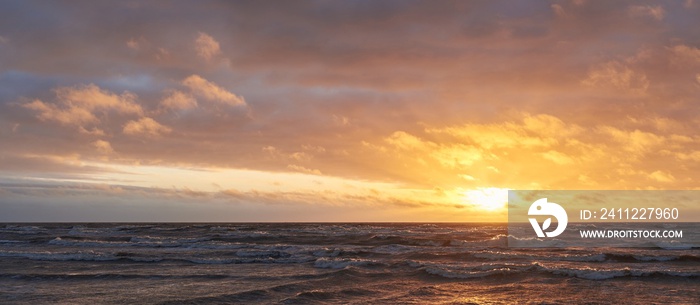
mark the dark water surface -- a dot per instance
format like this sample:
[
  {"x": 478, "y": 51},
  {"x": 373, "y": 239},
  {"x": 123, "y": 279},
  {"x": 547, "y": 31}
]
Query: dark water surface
[{"x": 325, "y": 263}]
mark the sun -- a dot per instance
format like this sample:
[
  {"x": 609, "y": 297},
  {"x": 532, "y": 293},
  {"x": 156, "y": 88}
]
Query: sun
[{"x": 488, "y": 199}]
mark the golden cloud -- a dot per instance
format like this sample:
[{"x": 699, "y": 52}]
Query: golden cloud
[
  {"x": 210, "y": 91},
  {"x": 80, "y": 105},
  {"x": 145, "y": 126},
  {"x": 178, "y": 100},
  {"x": 103, "y": 147}
]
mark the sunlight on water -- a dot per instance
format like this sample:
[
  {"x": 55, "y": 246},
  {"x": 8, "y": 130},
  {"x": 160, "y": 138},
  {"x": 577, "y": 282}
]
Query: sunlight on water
[{"x": 324, "y": 263}]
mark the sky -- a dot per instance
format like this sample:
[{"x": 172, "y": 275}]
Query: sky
[{"x": 338, "y": 111}]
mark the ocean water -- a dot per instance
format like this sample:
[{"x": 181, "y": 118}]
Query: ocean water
[{"x": 326, "y": 263}]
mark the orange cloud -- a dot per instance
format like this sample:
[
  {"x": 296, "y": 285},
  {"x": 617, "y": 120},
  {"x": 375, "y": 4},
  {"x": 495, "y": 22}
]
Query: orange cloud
[
  {"x": 80, "y": 105},
  {"x": 178, "y": 100},
  {"x": 67, "y": 116},
  {"x": 636, "y": 141},
  {"x": 543, "y": 151},
  {"x": 145, "y": 126},
  {"x": 301, "y": 169},
  {"x": 210, "y": 91},
  {"x": 207, "y": 47},
  {"x": 662, "y": 176},
  {"x": 103, "y": 147},
  {"x": 93, "y": 98},
  {"x": 686, "y": 54},
  {"x": 617, "y": 76}
]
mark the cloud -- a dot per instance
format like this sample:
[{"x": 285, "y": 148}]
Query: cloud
[
  {"x": 314, "y": 149},
  {"x": 66, "y": 166},
  {"x": 403, "y": 140},
  {"x": 92, "y": 98},
  {"x": 145, "y": 126},
  {"x": 615, "y": 75},
  {"x": 302, "y": 169},
  {"x": 692, "y": 156},
  {"x": 340, "y": 120},
  {"x": 93, "y": 131},
  {"x": 210, "y": 91},
  {"x": 617, "y": 155},
  {"x": 207, "y": 47},
  {"x": 662, "y": 176},
  {"x": 559, "y": 10},
  {"x": 449, "y": 155},
  {"x": 636, "y": 141},
  {"x": 178, "y": 100},
  {"x": 133, "y": 44},
  {"x": 65, "y": 115},
  {"x": 297, "y": 156},
  {"x": 103, "y": 147},
  {"x": 80, "y": 105},
  {"x": 656, "y": 12},
  {"x": 533, "y": 131},
  {"x": 558, "y": 157},
  {"x": 684, "y": 54},
  {"x": 457, "y": 155},
  {"x": 467, "y": 177}
]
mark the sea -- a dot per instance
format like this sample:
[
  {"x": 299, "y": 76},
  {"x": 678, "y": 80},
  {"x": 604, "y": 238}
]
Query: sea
[{"x": 326, "y": 263}]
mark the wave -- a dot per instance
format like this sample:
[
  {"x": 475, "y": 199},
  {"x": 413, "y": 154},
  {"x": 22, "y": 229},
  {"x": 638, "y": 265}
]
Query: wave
[
  {"x": 604, "y": 274},
  {"x": 239, "y": 257},
  {"x": 158, "y": 239},
  {"x": 225, "y": 261},
  {"x": 673, "y": 245},
  {"x": 23, "y": 230},
  {"x": 494, "y": 255},
  {"x": 498, "y": 241},
  {"x": 331, "y": 263},
  {"x": 452, "y": 274},
  {"x": 135, "y": 242},
  {"x": 61, "y": 256},
  {"x": 108, "y": 275},
  {"x": 101, "y": 243},
  {"x": 4, "y": 241},
  {"x": 452, "y": 271}
]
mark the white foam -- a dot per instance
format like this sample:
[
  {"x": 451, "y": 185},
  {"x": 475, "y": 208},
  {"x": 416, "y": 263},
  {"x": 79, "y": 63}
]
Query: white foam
[
  {"x": 498, "y": 241},
  {"x": 325, "y": 252},
  {"x": 465, "y": 274},
  {"x": 340, "y": 263},
  {"x": 495, "y": 255},
  {"x": 673, "y": 245},
  {"x": 591, "y": 274}
]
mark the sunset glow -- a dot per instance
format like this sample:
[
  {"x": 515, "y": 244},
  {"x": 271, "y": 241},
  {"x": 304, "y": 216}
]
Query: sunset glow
[
  {"x": 339, "y": 111},
  {"x": 487, "y": 199}
]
